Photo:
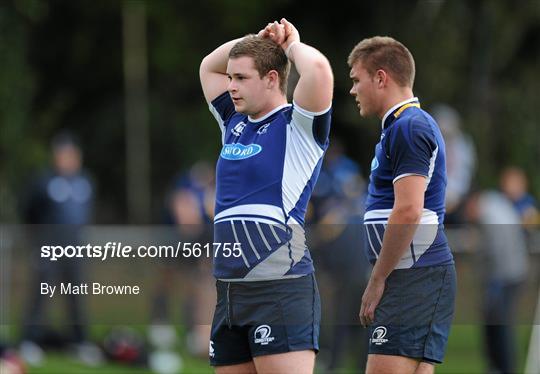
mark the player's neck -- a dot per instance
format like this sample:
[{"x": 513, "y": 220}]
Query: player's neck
[
  {"x": 398, "y": 96},
  {"x": 271, "y": 104}
]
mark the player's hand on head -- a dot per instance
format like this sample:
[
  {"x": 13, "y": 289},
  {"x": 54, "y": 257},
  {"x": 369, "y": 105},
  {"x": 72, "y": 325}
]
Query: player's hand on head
[
  {"x": 291, "y": 33},
  {"x": 274, "y": 31},
  {"x": 278, "y": 33},
  {"x": 283, "y": 33},
  {"x": 265, "y": 32}
]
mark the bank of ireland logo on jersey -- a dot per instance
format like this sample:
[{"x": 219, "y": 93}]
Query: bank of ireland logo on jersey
[
  {"x": 238, "y": 129},
  {"x": 262, "y": 335},
  {"x": 238, "y": 151},
  {"x": 378, "y": 335}
]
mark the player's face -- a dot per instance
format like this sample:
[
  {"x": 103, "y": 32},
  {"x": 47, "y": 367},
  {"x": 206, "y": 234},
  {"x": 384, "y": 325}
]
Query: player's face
[
  {"x": 67, "y": 159},
  {"x": 364, "y": 90},
  {"x": 246, "y": 87}
]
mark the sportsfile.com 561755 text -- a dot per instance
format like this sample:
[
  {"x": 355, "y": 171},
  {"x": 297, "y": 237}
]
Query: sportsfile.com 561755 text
[{"x": 118, "y": 250}]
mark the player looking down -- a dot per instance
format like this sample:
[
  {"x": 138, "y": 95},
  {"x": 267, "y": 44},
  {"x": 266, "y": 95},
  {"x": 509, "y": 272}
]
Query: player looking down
[{"x": 409, "y": 300}]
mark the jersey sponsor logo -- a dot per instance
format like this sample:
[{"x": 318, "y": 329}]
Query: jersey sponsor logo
[
  {"x": 378, "y": 335},
  {"x": 238, "y": 151},
  {"x": 263, "y": 129},
  {"x": 374, "y": 163},
  {"x": 211, "y": 351},
  {"x": 262, "y": 335},
  {"x": 238, "y": 129}
]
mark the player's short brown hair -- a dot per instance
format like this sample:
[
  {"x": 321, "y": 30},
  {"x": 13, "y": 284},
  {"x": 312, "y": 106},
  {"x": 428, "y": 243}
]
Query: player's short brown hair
[
  {"x": 266, "y": 54},
  {"x": 386, "y": 53}
]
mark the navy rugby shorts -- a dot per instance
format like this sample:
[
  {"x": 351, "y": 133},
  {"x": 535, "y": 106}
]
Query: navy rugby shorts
[
  {"x": 415, "y": 313},
  {"x": 264, "y": 317}
]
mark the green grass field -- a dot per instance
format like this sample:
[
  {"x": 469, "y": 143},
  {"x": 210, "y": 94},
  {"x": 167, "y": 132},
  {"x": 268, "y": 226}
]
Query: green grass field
[
  {"x": 464, "y": 355},
  {"x": 465, "y": 350}
]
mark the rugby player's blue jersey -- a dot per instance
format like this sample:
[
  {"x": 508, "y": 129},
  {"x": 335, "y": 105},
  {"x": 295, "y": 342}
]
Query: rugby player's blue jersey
[
  {"x": 411, "y": 144},
  {"x": 265, "y": 174}
]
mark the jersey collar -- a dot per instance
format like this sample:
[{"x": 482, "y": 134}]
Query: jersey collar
[
  {"x": 397, "y": 109},
  {"x": 273, "y": 111}
]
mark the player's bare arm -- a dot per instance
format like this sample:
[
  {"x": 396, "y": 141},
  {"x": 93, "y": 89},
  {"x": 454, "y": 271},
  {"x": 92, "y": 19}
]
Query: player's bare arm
[
  {"x": 315, "y": 87},
  {"x": 402, "y": 224},
  {"x": 213, "y": 71}
]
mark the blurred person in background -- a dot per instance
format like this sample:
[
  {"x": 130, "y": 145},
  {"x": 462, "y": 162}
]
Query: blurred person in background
[
  {"x": 460, "y": 161},
  {"x": 58, "y": 203},
  {"x": 514, "y": 184},
  {"x": 503, "y": 263},
  {"x": 190, "y": 208},
  {"x": 336, "y": 239}
]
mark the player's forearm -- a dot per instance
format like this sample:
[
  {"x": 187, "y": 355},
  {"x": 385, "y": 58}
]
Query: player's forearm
[
  {"x": 399, "y": 233},
  {"x": 309, "y": 62},
  {"x": 216, "y": 62}
]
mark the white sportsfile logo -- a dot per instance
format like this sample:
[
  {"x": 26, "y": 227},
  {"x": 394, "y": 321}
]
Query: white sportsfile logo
[
  {"x": 238, "y": 129},
  {"x": 378, "y": 335},
  {"x": 262, "y": 335},
  {"x": 211, "y": 352}
]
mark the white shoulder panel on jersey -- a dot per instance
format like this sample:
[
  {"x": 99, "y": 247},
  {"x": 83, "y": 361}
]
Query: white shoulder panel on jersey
[
  {"x": 303, "y": 119},
  {"x": 220, "y": 122},
  {"x": 301, "y": 156}
]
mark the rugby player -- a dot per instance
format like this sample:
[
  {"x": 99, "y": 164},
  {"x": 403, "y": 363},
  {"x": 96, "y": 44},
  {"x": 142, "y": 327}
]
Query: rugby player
[
  {"x": 267, "y": 315},
  {"x": 409, "y": 301}
]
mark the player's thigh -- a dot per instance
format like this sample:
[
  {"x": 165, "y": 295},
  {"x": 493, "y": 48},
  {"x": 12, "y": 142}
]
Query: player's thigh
[
  {"x": 244, "y": 368},
  {"x": 388, "y": 364},
  {"x": 298, "y": 362},
  {"x": 425, "y": 368}
]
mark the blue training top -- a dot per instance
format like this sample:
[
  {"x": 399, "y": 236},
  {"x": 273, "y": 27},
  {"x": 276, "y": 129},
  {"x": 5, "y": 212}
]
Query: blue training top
[
  {"x": 264, "y": 178},
  {"x": 411, "y": 144}
]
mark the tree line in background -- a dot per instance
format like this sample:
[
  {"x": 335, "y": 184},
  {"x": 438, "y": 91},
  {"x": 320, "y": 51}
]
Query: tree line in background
[{"x": 61, "y": 68}]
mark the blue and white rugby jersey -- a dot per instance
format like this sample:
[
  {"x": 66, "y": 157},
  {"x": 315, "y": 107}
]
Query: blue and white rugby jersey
[
  {"x": 411, "y": 144},
  {"x": 265, "y": 174}
]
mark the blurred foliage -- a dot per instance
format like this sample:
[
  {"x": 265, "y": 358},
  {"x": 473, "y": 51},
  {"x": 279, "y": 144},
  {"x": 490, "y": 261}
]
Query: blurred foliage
[{"x": 61, "y": 67}]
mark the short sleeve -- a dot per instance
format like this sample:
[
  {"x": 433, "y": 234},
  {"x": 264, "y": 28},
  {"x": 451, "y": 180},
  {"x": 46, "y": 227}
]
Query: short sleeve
[
  {"x": 412, "y": 149},
  {"x": 314, "y": 124},
  {"x": 222, "y": 109}
]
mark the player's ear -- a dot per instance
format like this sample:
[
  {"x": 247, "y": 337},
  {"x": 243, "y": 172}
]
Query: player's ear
[
  {"x": 272, "y": 79},
  {"x": 381, "y": 78}
]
